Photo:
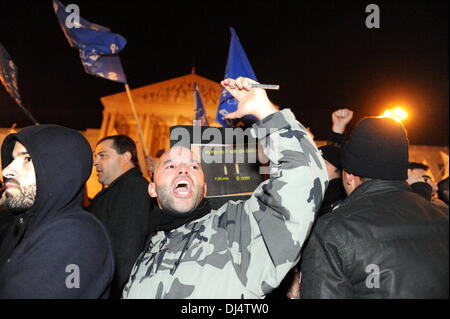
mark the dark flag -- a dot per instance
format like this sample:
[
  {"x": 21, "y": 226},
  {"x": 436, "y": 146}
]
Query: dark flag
[
  {"x": 8, "y": 76},
  {"x": 237, "y": 65},
  {"x": 200, "y": 114},
  {"x": 99, "y": 47}
]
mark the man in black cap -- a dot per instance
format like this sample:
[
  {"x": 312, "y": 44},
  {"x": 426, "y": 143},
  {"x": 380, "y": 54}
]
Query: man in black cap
[{"x": 383, "y": 241}]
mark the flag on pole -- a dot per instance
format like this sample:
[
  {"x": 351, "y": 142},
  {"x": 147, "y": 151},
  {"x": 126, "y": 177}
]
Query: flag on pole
[
  {"x": 237, "y": 65},
  {"x": 8, "y": 76},
  {"x": 200, "y": 114},
  {"x": 99, "y": 47}
]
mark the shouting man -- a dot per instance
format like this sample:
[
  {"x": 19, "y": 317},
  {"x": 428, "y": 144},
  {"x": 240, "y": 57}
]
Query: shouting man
[{"x": 245, "y": 248}]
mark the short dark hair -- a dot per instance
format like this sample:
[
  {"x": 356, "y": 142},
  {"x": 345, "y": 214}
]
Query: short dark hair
[
  {"x": 415, "y": 165},
  {"x": 122, "y": 144}
]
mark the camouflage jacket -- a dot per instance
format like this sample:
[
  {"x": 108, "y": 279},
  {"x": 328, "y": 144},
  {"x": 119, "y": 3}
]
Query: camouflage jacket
[{"x": 244, "y": 249}]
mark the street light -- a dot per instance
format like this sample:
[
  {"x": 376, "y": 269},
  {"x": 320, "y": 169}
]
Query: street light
[{"x": 398, "y": 114}]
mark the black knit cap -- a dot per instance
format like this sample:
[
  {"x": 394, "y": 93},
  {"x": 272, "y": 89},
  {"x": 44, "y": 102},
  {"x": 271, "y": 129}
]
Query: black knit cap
[
  {"x": 377, "y": 148},
  {"x": 332, "y": 154}
]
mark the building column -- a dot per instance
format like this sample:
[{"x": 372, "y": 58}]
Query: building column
[
  {"x": 106, "y": 117},
  {"x": 112, "y": 122}
]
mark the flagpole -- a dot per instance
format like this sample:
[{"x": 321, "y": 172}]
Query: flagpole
[
  {"x": 133, "y": 108},
  {"x": 27, "y": 113}
]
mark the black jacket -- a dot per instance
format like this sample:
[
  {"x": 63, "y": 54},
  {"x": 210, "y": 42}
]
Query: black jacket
[
  {"x": 49, "y": 245},
  {"x": 6, "y": 218},
  {"x": 124, "y": 208},
  {"x": 382, "y": 226}
]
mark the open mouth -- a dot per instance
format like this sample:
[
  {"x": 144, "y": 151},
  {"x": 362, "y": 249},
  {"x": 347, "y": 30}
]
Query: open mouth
[{"x": 182, "y": 187}]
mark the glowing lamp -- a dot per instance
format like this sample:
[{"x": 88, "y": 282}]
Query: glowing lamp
[{"x": 397, "y": 114}]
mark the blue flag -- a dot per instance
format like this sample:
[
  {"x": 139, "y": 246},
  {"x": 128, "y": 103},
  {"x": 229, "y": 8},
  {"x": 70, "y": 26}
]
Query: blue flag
[
  {"x": 237, "y": 65},
  {"x": 200, "y": 114},
  {"x": 99, "y": 47},
  {"x": 8, "y": 74}
]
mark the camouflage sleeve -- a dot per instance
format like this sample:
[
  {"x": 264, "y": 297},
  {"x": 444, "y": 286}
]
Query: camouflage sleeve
[{"x": 281, "y": 210}]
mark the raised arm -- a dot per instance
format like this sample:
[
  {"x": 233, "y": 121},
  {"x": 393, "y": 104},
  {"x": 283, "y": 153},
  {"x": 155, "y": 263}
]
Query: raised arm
[{"x": 283, "y": 207}]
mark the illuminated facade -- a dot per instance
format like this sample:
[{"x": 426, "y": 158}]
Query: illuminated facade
[{"x": 169, "y": 103}]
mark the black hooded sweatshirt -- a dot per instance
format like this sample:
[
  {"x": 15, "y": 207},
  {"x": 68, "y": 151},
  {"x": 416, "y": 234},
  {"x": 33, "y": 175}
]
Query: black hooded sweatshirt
[{"x": 49, "y": 245}]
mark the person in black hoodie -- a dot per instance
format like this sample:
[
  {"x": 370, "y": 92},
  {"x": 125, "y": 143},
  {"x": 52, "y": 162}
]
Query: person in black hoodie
[
  {"x": 124, "y": 206},
  {"x": 53, "y": 248}
]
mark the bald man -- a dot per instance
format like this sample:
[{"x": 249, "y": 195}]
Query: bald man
[{"x": 245, "y": 248}]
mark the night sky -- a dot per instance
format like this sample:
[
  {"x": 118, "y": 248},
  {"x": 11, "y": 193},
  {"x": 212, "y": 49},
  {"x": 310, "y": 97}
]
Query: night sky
[{"x": 320, "y": 52}]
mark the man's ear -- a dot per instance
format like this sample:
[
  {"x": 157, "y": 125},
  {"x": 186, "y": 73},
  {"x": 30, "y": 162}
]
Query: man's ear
[
  {"x": 126, "y": 156},
  {"x": 409, "y": 173},
  {"x": 351, "y": 179},
  {"x": 347, "y": 177},
  {"x": 152, "y": 190},
  {"x": 205, "y": 190}
]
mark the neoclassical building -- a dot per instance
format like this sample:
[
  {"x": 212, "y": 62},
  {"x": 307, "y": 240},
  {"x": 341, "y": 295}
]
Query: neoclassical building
[{"x": 159, "y": 106}]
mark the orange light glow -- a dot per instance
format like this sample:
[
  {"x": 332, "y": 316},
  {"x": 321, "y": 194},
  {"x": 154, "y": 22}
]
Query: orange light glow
[{"x": 397, "y": 114}]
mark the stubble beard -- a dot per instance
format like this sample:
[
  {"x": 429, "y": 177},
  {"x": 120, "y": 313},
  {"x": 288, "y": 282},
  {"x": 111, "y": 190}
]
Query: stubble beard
[
  {"x": 19, "y": 202},
  {"x": 167, "y": 201}
]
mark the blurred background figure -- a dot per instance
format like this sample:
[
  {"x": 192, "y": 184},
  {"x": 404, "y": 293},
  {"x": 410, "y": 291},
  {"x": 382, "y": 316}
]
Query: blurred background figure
[
  {"x": 423, "y": 184},
  {"x": 335, "y": 192},
  {"x": 340, "y": 119},
  {"x": 443, "y": 190},
  {"x": 331, "y": 153}
]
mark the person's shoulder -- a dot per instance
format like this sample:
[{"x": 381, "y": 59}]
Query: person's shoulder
[
  {"x": 353, "y": 207},
  {"x": 329, "y": 224},
  {"x": 439, "y": 203},
  {"x": 339, "y": 221},
  {"x": 441, "y": 210},
  {"x": 427, "y": 209},
  {"x": 132, "y": 181},
  {"x": 79, "y": 224}
]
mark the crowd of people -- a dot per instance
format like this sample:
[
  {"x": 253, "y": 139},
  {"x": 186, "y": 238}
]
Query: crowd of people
[{"x": 350, "y": 219}]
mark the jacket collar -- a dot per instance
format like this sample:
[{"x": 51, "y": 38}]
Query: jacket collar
[
  {"x": 376, "y": 186},
  {"x": 130, "y": 172}
]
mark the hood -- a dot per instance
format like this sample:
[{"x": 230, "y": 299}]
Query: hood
[{"x": 62, "y": 160}]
